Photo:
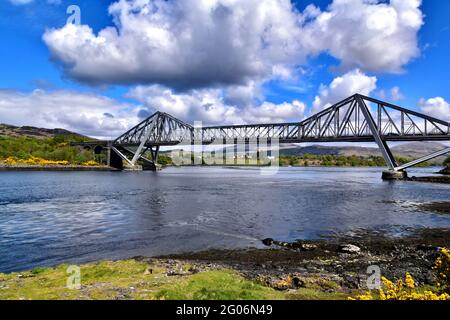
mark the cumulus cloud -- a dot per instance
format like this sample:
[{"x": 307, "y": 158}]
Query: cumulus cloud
[
  {"x": 369, "y": 34},
  {"x": 88, "y": 114},
  {"x": 193, "y": 44},
  {"x": 342, "y": 87},
  {"x": 210, "y": 106},
  {"x": 436, "y": 107},
  {"x": 394, "y": 94},
  {"x": 182, "y": 43}
]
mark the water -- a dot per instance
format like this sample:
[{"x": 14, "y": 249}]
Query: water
[{"x": 47, "y": 218}]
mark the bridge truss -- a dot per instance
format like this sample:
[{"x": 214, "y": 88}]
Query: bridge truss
[{"x": 355, "y": 119}]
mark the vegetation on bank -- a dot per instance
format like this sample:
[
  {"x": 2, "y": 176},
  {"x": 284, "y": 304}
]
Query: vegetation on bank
[
  {"x": 142, "y": 280},
  {"x": 131, "y": 279},
  {"x": 447, "y": 162},
  {"x": 338, "y": 161},
  {"x": 46, "y": 151},
  {"x": 407, "y": 290}
]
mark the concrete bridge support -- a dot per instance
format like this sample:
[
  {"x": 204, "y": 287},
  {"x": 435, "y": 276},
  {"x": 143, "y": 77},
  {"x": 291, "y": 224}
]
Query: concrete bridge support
[
  {"x": 115, "y": 160},
  {"x": 117, "y": 156}
]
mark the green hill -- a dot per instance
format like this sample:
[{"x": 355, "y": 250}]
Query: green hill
[{"x": 19, "y": 144}]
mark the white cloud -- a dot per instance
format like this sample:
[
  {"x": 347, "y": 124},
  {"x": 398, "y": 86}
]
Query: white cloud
[
  {"x": 342, "y": 87},
  {"x": 194, "y": 44},
  {"x": 183, "y": 43},
  {"x": 209, "y": 106},
  {"x": 436, "y": 107},
  {"x": 88, "y": 114},
  {"x": 394, "y": 94},
  {"x": 368, "y": 34}
]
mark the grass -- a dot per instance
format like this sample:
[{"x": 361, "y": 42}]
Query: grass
[{"x": 131, "y": 279}]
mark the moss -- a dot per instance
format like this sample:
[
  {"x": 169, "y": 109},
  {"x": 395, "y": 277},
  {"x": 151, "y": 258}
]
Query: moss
[
  {"x": 217, "y": 285},
  {"x": 131, "y": 279}
]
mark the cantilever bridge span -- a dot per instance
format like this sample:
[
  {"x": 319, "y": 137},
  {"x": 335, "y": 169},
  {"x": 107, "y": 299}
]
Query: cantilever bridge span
[{"x": 355, "y": 119}]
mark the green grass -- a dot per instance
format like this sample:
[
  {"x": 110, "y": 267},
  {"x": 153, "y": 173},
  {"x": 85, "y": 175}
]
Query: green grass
[
  {"x": 132, "y": 279},
  {"x": 217, "y": 285}
]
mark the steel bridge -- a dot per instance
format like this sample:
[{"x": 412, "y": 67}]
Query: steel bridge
[{"x": 355, "y": 119}]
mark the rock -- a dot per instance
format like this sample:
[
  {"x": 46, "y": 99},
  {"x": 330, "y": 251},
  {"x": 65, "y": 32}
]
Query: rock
[
  {"x": 193, "y": 270},
  {"x": 349, "y": 248},
  {"x": 308, "y": 247},
  {"x": 351, "y": 282},
  {"x": 282, "y": 244},
  {"x": 424, "y": 247},
  {"x": 303, "y": 246},
  {"x": 298, "y": 283},
  {"x": 148, "y": 271},
  {"x": 267, "y": 242}
]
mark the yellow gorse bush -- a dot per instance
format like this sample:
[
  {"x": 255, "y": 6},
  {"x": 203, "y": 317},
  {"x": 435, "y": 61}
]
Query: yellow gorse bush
[
  {"x": 33, "y": 161},
  {"x": 90, "y": 163},
  {"x": 442, "y": 270},
  {"x": 406, "y": 290}
]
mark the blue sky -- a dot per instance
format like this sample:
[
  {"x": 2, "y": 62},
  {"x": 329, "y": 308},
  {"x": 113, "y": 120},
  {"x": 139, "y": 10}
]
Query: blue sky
[{"x": 60, "y": 75}]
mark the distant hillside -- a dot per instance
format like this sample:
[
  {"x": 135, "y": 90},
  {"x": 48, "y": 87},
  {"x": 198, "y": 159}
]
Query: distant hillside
[
  {"x": 20, "y": 145},
  {"x": 411, "y": 150},
  {"x": 33, "y": 132}
]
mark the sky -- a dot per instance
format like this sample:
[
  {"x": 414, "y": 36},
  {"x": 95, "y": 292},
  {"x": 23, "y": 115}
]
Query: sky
[{"x": 216, "y": 61}]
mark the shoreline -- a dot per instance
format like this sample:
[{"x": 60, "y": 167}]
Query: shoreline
[
  {"x": 316, "y": 269},
  {"x": 342, "y": 261},
  {"x": 439, "y": 177},
  {"x": 55, "y": 168}
]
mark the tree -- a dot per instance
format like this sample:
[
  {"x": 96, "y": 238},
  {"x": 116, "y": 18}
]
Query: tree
[{"x": 447, "y": 162}]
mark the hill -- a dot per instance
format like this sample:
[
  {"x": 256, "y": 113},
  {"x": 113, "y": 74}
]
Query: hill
[
  {"x": 31, "y": 145},
  {"x": 413, "y": 150},
  {"x": 33, "y": 132}
]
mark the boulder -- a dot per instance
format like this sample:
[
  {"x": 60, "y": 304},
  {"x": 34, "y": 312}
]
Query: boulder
[
  {"x": 268, "y": 242},
  {"x": 349, "y": 248}
]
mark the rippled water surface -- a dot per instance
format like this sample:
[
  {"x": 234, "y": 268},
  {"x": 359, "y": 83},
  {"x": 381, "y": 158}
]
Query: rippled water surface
[{"x": 48, "y": 218}]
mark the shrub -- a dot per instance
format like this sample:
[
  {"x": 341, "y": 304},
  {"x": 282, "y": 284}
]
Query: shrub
[
  {"x": 447, "y": 162},
  {"x": 442, "y": 270},
  {"x": 406, "y": 290}
]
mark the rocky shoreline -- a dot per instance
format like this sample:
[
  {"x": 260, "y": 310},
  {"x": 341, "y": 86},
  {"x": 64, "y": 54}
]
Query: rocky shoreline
[
  {"x": 333, "y": 266},
  {"x": 432, "y": 179}
]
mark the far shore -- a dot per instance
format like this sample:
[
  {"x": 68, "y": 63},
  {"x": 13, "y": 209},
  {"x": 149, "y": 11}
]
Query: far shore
[{"x": 54, "y": 168}]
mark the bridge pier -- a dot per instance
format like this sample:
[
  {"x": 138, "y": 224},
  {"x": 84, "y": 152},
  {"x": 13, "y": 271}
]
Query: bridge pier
[
  {"x": 394, "y": 175},
  {"x": 114, "y": 160}
]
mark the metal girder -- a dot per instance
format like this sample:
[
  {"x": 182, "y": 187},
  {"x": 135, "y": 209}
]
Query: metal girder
[
  {"x": 386, "y": 152},
  {"x": 355, "y": 119},
  {"x": 345, "y": 121},
  {"x": 423, "y": 159}
]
